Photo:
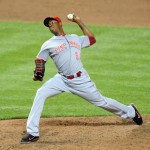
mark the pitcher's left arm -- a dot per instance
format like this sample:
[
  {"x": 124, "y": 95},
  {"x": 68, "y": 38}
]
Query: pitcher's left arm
[{"x": 86, "y": 31}]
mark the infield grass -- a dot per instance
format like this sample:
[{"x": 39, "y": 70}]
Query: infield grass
[{"x": 119, "y": 64}]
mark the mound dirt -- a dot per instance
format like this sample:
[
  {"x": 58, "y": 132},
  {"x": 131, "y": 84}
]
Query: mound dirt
[{"x": 78, "y": 133}]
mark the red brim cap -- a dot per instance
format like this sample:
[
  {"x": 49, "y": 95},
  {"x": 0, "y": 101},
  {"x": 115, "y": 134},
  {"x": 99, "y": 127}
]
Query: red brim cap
[{"x": 46, "y": 20}]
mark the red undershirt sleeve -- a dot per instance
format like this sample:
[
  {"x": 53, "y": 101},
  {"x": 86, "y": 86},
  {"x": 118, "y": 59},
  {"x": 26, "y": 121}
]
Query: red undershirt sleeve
[{"x": 92, "y": 40}]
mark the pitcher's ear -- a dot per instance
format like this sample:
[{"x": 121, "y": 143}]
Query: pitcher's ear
[{"x": 60, "y": 23}]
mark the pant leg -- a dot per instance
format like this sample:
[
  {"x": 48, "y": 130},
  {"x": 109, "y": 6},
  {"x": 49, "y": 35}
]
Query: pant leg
[
  {"x": 86, "y": 89},
  {"x": 51, "y": 88}
]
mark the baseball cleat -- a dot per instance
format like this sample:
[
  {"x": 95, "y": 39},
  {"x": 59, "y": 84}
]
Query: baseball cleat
[
  {"x": 138, "y": 118},
  {"x": 29, "y": 138}
]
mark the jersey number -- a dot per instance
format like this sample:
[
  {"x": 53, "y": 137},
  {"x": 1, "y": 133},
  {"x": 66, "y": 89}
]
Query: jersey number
[{"x": 77, "y": 55}]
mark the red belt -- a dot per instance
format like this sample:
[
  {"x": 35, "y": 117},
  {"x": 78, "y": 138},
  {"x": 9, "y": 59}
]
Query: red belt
[{"x": 78, "y": 74}]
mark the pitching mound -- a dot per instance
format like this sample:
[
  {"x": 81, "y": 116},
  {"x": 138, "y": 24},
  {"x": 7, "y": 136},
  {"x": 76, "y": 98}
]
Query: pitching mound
[{"x": 78, "y": 133}]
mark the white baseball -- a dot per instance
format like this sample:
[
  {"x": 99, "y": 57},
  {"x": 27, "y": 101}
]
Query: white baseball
[{"x": 70, "y": 16}]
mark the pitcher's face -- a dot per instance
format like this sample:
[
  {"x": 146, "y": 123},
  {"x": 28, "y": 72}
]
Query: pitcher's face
[{"x": 54, "y": 26}]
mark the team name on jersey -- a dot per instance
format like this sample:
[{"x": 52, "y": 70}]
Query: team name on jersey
[
  {"x": 63, "y": 46},
  {"x": 60, "y": 48},
  {"x": 74, "y": 44}
]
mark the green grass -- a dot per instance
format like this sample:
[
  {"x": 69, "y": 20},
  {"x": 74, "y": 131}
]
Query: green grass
[{"x": 118, "y": 63}]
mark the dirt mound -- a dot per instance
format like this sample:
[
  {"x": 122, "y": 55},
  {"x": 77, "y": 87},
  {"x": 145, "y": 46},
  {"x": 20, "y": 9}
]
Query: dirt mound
[{"x": 78, "y": 133}]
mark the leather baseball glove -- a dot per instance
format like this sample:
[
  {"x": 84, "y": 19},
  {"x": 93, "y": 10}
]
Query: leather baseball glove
[{"x": 39, "y": 69}]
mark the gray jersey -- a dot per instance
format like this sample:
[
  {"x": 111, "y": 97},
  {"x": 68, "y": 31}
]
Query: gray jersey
[{"x": 65, "y": 52}]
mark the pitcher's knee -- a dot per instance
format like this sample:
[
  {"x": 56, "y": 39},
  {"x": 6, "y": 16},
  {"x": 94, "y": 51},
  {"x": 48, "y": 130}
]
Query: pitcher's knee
[
  {"x": 41, "y": 92},
  {"x": 99, "y": 102}
]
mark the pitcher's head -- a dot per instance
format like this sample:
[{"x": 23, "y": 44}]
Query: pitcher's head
[{"x": 54, "y": 23}]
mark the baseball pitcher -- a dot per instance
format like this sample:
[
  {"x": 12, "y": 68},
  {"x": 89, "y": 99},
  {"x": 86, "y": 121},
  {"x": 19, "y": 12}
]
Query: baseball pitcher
[{"x": 65, "y": 50}]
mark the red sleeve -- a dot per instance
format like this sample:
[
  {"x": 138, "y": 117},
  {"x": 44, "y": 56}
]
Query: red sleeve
[{"x": 92, "y": 40}]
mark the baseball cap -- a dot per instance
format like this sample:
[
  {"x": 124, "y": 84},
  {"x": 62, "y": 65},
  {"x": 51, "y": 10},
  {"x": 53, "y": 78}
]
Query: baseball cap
[{"x": 46, "y": 20}]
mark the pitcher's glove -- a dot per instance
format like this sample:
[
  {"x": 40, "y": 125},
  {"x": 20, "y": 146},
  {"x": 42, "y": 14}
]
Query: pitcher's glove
[{"x": 39, "y": 69}]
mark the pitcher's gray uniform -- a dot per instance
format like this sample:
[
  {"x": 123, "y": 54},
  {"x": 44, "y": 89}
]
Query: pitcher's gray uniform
[{"x": 65, "y": 51}]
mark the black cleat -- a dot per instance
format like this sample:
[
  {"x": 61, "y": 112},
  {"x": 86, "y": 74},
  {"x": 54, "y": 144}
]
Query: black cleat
[
  {"x": 29, "y": 138},
  {"x": 138, "y": 118}
]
